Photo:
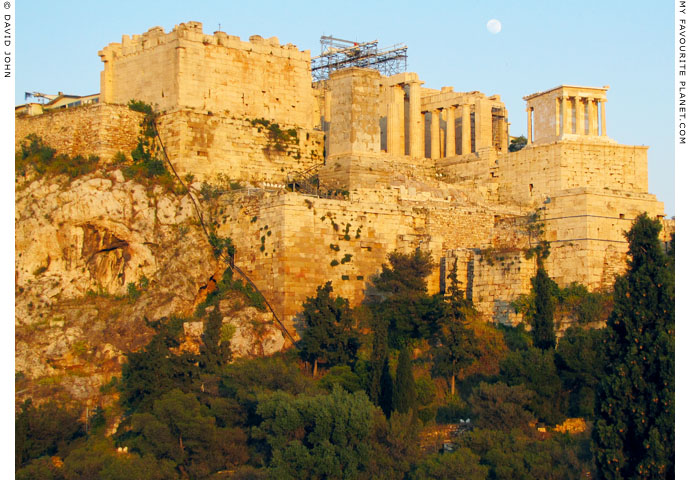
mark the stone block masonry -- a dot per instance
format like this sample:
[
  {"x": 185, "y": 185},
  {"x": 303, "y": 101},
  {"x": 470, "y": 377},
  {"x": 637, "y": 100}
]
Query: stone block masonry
[
  {"x": 240, "y": 148},
  {"x": 187, "y": 69},
  {"x": 99, "y": 129},
  {"x": 289, "y": 244}
]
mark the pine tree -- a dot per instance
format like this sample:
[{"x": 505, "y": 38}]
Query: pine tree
[
  {"x": 634, "y": 434},
  {"x": 328, "y": 336},
  {"x": 404, "y": 397}
]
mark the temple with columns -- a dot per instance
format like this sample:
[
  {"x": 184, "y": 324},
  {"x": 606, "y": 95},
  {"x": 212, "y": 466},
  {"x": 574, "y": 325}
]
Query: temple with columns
[{"x": 565, "y": 111}]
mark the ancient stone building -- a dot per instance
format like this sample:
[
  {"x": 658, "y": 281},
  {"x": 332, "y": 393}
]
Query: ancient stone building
[{"x": 415, "y": 167}]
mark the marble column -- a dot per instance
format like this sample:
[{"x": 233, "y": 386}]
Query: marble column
[
  {"x": 529, "y": 125},
  {"x": 450, "y": 131},
  {"x": 396, "y": 99},
  {"x": 558, "y": 117},
  {"x": 579, "y": 117},
  {"x": 416, "y": 124},
  {"x": 435, "y": 130},
  {"x": 603, "y": 117},
  {"x": 466, "y": 130},
  {"x": 567, "y": 116},
  {"x": 590, "y": 116}
]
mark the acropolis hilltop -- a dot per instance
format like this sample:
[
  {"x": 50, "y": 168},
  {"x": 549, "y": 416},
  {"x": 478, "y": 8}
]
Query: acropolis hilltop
[{"x": 398, "y": 167}]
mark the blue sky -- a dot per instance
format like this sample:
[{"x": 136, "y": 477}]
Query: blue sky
[{"x": 625, "y": 44}]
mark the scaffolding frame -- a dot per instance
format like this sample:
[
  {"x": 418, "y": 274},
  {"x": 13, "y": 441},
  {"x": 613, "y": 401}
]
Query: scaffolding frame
[{"x": 337, "y": 54}]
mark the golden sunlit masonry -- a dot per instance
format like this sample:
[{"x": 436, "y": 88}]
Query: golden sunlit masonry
[{"x": 422, "y": 167}]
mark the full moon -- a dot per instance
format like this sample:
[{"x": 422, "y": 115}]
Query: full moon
[{"x": 493, "y": 26}]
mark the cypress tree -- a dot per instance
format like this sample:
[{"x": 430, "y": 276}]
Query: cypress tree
[
  {"x": 213, "y": 352},
  {"x": 387, "y": 388},
  {"x": 404, "y": 395},
  {"x": 634, "y": 434},
  {"x": 379, "y": 361},
  {"x": 543, "y": 333}
]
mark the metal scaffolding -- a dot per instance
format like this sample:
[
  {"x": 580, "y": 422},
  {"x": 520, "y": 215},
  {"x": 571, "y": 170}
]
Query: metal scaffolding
[{"x": 337, "y": 54}]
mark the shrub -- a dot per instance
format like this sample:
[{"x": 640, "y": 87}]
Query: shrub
[{"x": 45, "y": 160}]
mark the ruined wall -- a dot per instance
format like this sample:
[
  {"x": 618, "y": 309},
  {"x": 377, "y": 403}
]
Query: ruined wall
[
  {"x": 218, "y": 73},
  {"x": 241, "y": 148},
  {"x": 101, "y": 130}
]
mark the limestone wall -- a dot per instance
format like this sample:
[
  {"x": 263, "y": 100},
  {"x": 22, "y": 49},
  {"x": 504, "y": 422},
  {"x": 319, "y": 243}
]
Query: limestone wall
[
  {"x": 499, "y": 277},
  {"x": 218, "y": 73},
  {"x": 586, "y": 229},
  {"x": 535, "y": 173},
  {"x": 99, "y": 129},
  {"x": 354, "y": 124},
  {"x": 350, "y": 172},
  {"x": 290, "y": 243},
  {"x": 241, "y": 148}
]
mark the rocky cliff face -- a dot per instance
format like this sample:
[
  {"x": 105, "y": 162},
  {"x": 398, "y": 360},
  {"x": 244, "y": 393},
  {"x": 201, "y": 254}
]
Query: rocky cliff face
[{"x": 96, "y": 255}]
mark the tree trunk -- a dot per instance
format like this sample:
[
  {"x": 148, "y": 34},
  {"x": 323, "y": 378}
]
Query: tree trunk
[
  {"x": 452, "y": 385},
  {"x": 316, "y": 367}
]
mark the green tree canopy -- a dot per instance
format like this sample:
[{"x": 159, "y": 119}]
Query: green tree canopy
[
  {"x": 328, "y": 336},
  {"x": 44, "y": 430},
  {"x": 317, "y": 437},
  {"x": 536, "y": 370},
  {"x": 517, "y": 143},
  {"x": 580, "y": 362},
  {"x": 634, "y": 434},
  {"x": 399, "y": 298},
  {"x": 155, "y": 369},
  {"x": 461, "y": 463},
  {"x": 502, "y": 407},
  {"x": 182, "y": 430}
]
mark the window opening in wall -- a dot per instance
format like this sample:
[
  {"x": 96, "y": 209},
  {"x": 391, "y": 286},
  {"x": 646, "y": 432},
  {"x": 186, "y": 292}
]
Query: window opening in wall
[{"x": 530, "y": 188}]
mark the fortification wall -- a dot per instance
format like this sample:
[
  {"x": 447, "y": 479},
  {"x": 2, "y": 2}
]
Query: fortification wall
[
  {"x": 534, "y": 173},
  {"x": 499, "y": 277},
  {"x": 352, "y": 171},
  {"x": 586, "y": 228},
  {"x": 217, "y": 73},
  {"x": 99, "y": 129},
  {"x": 241, "y": 148},
  {"x": 290, "y": 243}
]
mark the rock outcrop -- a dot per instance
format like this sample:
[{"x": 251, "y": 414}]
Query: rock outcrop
[{"x": 94, "y": 257}]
